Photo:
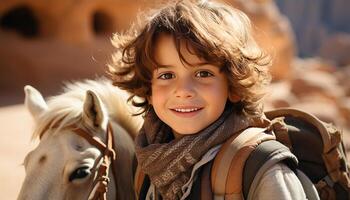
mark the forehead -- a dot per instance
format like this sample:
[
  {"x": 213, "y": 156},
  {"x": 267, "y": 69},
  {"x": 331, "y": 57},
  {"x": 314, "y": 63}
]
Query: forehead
[
  {"x": 54, "y": 147},
  {"x": 167, "y": 51}
]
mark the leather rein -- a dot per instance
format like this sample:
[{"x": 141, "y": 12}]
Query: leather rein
[{"x": 100, "y": 184}]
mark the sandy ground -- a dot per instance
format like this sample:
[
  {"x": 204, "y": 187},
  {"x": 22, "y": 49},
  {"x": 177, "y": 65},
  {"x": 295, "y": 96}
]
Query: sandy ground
[{"x": 15, "y": 141}]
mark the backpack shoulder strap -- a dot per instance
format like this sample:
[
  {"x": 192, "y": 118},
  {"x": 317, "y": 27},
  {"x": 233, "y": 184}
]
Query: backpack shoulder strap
[
  {"x": 230, "y": 160},
  {"x": 262, "y": 158},
  {"x": 206, "y": 192}
]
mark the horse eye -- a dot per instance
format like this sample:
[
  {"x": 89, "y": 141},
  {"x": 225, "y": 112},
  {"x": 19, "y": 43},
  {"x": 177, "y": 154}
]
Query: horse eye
[{"x": 80, "y": 173}]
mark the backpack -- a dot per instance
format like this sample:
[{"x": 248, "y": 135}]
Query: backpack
[
  {"x": 321, "y": 164},
  {"x": 314, "y": 150}
]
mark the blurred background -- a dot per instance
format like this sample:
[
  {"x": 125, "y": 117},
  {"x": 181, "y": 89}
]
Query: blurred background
[{"x": 44, "y": 43}]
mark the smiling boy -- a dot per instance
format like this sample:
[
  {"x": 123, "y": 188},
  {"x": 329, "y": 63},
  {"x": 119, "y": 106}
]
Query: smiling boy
[
  {"x": 201, "y": 79},
  {"x": 187, "y": 98}
]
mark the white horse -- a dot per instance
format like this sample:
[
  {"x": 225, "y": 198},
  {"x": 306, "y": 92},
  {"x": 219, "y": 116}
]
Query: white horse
[{"x": 65, "y": 165}]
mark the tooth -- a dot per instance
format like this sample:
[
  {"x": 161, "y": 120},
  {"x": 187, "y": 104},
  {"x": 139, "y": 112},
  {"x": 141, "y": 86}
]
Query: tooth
[{"x": 186, "y": 109}]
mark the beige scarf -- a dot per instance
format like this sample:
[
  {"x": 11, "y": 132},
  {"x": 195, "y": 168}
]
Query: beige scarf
[{"x": 169, "y": 162}]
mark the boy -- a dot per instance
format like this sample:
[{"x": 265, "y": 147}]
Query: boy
[{"x": 201, "y": 78}]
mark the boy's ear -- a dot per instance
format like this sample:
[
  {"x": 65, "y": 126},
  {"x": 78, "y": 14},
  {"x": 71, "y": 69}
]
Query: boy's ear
[{"x": 233, "y": 97}]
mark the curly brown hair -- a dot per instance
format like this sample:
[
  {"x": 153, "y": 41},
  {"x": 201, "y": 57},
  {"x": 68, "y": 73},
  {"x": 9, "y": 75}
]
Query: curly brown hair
[{"x": 218, "y": 33}]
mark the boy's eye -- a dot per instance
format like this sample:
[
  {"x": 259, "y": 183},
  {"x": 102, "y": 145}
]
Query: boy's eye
[
  {"x": 166, "y": 76},
  {"x": 203, "y": 74}
]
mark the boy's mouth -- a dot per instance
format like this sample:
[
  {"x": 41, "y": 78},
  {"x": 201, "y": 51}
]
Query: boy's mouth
[{"x": 186, "y": 112}]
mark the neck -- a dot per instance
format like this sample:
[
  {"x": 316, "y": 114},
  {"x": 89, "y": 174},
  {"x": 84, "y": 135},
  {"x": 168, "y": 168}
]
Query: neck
[{"x": 124, "y": 164}]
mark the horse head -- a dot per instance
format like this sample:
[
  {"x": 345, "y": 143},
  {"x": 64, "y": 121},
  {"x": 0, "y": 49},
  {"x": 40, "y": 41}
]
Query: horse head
[{"x": 66, "y": 164}]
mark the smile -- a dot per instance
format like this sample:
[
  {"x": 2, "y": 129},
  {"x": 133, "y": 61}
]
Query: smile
[{"x": 186, "y": 110}]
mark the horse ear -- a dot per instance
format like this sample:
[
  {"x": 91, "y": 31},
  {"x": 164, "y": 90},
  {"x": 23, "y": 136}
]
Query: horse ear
[
  {"x": 94, "y": 114},
  {"x": 34, "y": 101}
]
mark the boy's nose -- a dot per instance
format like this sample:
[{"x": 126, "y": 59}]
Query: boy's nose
[{"x": 184, "y": 89}]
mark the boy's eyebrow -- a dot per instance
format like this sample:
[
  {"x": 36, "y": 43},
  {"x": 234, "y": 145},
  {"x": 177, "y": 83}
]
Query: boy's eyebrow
[
  {"x": 199, "y": 64},
  {"x": 164, "y": 66}
]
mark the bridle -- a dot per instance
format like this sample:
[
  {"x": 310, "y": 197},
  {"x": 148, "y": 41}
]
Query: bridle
[{"x": 100, "y": 184}]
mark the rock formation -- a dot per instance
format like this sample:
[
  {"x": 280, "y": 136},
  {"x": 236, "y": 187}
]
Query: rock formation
[{"x": 318, "y": 25}]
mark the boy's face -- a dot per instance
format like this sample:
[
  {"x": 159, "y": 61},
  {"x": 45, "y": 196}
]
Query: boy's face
[{"x": 187, "y": 98}]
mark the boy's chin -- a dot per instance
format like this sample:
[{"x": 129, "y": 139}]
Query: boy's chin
[{"x": 183, "y": 132}]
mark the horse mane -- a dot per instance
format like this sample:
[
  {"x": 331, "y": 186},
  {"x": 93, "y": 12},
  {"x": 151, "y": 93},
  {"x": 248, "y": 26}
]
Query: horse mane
[{"x": 66, "y": 108}]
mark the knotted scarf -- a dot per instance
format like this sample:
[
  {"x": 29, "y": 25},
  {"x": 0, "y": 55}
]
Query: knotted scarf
[{"x": 169, "y": 162}]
